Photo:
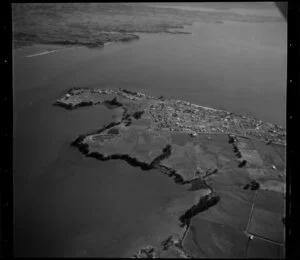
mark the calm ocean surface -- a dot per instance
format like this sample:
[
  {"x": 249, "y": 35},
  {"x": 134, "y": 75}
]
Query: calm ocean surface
[{"x": 69, "y": 205}]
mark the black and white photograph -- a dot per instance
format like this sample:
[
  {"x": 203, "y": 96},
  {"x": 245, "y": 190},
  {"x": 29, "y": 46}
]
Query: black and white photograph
[{"x": 149, "y": 129}]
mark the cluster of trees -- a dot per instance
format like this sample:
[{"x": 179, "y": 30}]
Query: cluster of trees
[
  {"x": 242, "y": 163},
  {"x": 138, "y": 114},
  {"x": 254, "y": 185}
]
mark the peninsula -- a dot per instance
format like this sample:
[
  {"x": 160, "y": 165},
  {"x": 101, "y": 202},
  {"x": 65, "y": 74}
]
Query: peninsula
[{"x": 228, "y": 161}]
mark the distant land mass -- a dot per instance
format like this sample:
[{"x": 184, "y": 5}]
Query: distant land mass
[
  {"x": 234, "y": 166},
  {"x": 90, "y": 24}
]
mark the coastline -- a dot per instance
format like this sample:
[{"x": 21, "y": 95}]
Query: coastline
[{"x": 159, "y": 112}]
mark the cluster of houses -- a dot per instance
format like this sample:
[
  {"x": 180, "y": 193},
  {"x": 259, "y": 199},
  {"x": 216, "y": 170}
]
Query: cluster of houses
[{"x": 182, "y": 116}]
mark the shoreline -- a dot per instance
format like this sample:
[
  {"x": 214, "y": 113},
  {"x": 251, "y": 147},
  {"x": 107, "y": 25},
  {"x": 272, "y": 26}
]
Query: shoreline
[
  {"x": 106, "y": 143},
  {"x": 178, "y": 115}
]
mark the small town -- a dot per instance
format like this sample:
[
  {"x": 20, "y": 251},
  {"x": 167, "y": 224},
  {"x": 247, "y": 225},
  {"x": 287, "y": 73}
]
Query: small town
[
  {"x": 149, "y": 130},
  {"x": 182, "y": 116}
]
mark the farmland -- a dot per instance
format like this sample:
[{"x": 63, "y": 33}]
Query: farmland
[{"x": 219, "y": 199}]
